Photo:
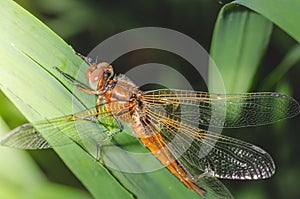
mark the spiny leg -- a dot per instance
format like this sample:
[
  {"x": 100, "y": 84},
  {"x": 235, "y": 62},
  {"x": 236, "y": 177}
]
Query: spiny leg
[
  {"x": 70, "y": 79},
  {"x": 99, "y": 151},
  {"x": 79, "y": 85}
]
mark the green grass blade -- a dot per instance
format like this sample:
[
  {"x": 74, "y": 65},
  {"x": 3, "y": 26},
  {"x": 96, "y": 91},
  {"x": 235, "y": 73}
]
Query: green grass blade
[
  {"x": 281, "y": 13},
  {"x": 19, "y": 172},
  {"x": 290, "y": 60},
  {"x": 239, "y": 42},
  {"x": 29, "y": 51}
]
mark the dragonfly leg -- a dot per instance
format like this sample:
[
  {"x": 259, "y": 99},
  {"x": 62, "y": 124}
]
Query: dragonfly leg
[
  {"x": 90, "y": 61},
  {"x": 99, "y": 144},
  {"x": 79, "y": 85},
  {"x": 71, "y": 79}
]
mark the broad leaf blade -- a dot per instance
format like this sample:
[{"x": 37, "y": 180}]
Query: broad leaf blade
[
  {"x": 29, "y": 51},
  {"x": 282, "y": 13},
  {"x": 20, "y": 171},
  {"x": 239, "y": 42}
]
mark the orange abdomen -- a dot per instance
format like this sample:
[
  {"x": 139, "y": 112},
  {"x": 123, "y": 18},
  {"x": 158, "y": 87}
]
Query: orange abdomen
[{"x": 156, "y": 147}]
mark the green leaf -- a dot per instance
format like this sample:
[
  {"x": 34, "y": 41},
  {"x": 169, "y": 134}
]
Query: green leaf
[
  {"x": 284, "y": 14},
  {"x": 29, "y": 51},
  {"x": 19, "y": 172},
  {"x": 238, "y": 44}
]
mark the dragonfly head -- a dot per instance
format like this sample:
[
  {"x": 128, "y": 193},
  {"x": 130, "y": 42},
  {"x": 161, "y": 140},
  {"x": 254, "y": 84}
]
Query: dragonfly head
[{"x": 97, "y": 75}]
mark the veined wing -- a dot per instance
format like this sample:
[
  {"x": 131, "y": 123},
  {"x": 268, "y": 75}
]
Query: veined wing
[
  {"x": 82, "y": 127},
  {"x": 220, "y": 110},
  {"x": 214, "y": 188},
  {"x": 202, "y": 151}
]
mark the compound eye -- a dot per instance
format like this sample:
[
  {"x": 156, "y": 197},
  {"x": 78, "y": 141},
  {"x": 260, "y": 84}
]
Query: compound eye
[
  {"x": 92, "y": 75},
  {"x": 95, "y": 77}
]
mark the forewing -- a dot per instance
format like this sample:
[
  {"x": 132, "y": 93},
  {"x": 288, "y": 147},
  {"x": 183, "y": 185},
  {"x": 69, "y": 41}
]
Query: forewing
[
  {"x": 84, "y": 128},
  {"x": 25, "y": 137},
  {"x": 218, "y": 110}
]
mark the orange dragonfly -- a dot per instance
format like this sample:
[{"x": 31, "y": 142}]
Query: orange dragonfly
[{"x": 173, "y": 125}]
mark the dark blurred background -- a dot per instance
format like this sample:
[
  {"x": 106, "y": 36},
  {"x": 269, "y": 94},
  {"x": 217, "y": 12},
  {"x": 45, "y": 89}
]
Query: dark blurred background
[{"x": 85, "y": 23}]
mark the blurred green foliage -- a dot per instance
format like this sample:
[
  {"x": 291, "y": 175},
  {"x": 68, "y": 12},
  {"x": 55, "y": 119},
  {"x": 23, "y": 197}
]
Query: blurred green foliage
[{"x": 83, "y": 24}]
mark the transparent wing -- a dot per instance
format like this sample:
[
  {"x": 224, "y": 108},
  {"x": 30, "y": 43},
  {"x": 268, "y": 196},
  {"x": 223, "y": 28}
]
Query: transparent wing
[
  {"x": 231, "y": 110},
  {"x": 214, "y": 188},
  {"x": 83, "y": 127},
  {"x": 228, "y": 158},
  {"x": 25, "y": 137},
  {"x": 202, "y": 151}
]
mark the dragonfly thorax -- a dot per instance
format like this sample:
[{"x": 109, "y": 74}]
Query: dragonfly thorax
[
  {"x": 124, "y": 89},
  {"x": 124, "y": 99}
]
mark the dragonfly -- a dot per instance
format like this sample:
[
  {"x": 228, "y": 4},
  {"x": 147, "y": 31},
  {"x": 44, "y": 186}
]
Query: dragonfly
[{"x": 174, "y": 126}]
